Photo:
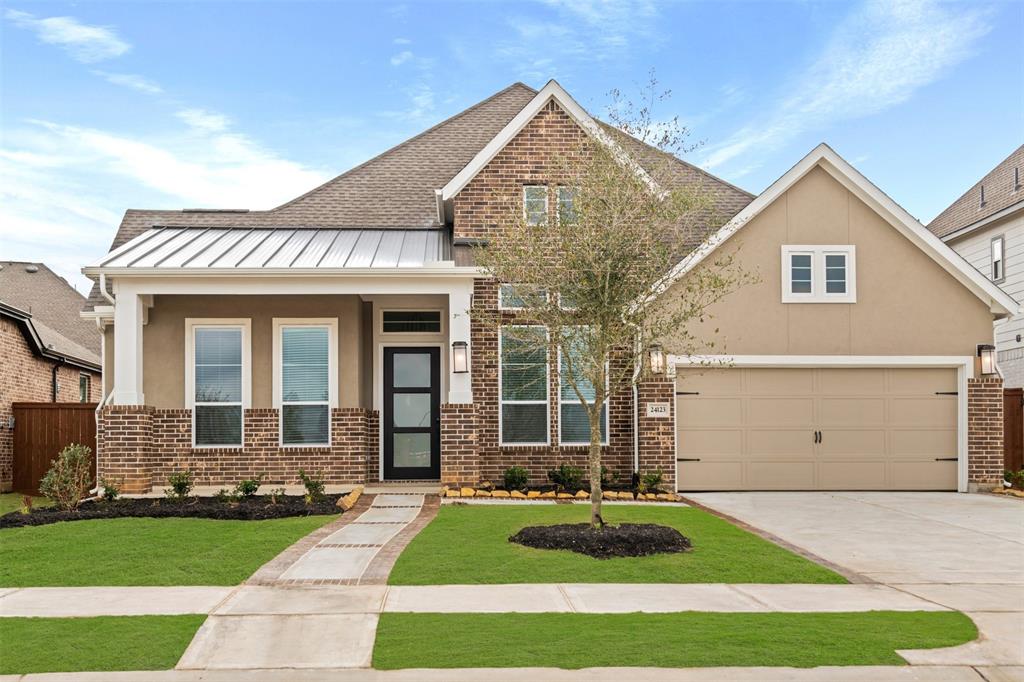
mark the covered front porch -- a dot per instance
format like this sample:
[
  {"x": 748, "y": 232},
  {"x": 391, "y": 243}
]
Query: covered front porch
[{"x": 354, "y": 366}]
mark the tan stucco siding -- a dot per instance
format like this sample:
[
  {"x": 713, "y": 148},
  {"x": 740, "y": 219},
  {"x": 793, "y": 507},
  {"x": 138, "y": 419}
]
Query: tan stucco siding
[
  {"x": 164, "y": 342},
  {"x": 907, "y": 304}
]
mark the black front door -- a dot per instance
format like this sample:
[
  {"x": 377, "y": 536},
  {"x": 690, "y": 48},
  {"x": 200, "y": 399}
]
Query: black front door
[{"x": 412, "y": 413}]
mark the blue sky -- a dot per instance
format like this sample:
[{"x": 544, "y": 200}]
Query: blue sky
[{"x": 108, "y": 106}]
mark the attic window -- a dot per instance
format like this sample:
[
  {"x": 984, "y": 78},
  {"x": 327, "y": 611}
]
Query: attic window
[
  {"x": 535, "y": 204},
  {"x": 998, "y": 269},
  {"x": 819, "y": 274}
]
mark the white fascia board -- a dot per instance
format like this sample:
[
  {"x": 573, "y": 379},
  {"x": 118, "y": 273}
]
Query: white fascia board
[
  {"x": 550, "y": 91},
  {"x": 983, "y": 223},
  {"x": 440, "y": 270},
  {"x": 712, "y": 361},
  {"x": 999, "y": 301},
  {"x": 264, "y": 285}
]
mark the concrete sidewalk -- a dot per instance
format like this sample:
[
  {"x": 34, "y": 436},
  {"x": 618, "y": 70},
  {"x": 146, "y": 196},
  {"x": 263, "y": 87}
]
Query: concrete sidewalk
[
  {"x": 824, "y": 674},
  {"x": 253, "y": 600}
]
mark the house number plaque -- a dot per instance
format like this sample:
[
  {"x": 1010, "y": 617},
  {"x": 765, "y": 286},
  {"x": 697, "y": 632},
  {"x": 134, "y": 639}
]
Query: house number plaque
[{"x": 658, "y": 410}]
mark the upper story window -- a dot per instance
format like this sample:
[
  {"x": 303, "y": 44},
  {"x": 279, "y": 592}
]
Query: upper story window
[
  {"x": 819, "y": 274},
  {"x": 998, "y": 259},
  {"x": 519, "y": 296},
  {"x": 535, "y": 204},
  {"x": 523, "y": 385},
  {"x": 83, "y": 388},
  {"x": 217, "y": 380},
  {"x": 305, "y": 379},
  {"x": 567, "y": 205}
]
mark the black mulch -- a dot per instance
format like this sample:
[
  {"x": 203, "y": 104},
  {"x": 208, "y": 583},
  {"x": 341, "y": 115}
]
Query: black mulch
[
  {"x": 627, "y": 539},
  {"x": 257, "y": 508}
]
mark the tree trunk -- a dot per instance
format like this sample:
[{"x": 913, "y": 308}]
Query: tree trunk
[{"x": 595, "y": 468}]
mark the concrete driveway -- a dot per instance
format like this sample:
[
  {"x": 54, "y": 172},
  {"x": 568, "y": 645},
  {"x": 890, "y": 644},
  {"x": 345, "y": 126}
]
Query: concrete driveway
[{"x": 961, "y": 551}]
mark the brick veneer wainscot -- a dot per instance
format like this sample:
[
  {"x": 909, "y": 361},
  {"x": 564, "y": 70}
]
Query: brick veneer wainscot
[
  {"x": 984, "y": 432},
  {"x": 25, "y": 377},
  {"x": 142, "y": 446}
]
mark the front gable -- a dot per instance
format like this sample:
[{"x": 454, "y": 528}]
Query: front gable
[{"x": 907, "y": 302}]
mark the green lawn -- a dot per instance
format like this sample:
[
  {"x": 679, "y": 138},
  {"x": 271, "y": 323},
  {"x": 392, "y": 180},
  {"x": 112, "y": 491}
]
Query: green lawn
[
  {"x": 469, "y": 544},
  {"x": 38, "y": 645},
  {"x": 145, "y": 551},
  {"x": 12, "y": 502},
  {"x": 672, "y": 640}
]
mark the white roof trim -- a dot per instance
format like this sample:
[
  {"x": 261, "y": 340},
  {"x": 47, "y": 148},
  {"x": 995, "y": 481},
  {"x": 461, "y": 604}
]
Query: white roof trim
[
  {"x": 550, "y": 91},
  {"x": 824, "y": 156}
]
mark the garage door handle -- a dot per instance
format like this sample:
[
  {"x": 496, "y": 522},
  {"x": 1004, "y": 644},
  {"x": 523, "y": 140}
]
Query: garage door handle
[
  {"x": 687, "y": 392},
  {"x": 817, "y": 436},
  {"x": 946, "y": 459},
  {"x": 686, "y": 459}
]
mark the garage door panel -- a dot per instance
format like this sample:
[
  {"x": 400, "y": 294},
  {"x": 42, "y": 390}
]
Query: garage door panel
[
  {"x": 844, "y": 382},
  {"x": 778, "y": 381},
  {"x": 922, "y": 380},
  {"x": 924, "y": 442},
  {"x": 844, "y": 442},
  {"x": 780, "y": 476},
  {"x": 710, "y": 381},
  {"x": 852, "y": 475},
  {"x": 935, "y": 412},
  {"x": 923, "y": 475},
  {"x": 837, "y": 412},
  {"x": 788, "y": 443},
  {"x": 711, "y": 442},
  {"x": 780, "y": 412},
  {"x": 699, "y": 412},
  {"x": 724, "y": 475}
]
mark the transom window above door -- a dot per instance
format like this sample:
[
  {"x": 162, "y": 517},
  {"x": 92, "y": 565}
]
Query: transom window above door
[
  {"x": 411, "y": 322},
  {"x": 819, "y": 274}
]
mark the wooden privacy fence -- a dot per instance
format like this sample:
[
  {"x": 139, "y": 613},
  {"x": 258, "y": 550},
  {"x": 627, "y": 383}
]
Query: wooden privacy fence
[
  {"x": 41, "y": 431},
  {"x": 1013, "y": 429}
]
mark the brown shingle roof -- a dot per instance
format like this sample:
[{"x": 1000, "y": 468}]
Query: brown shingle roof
[
  {"x": 1001, "y": 192},
  {"x": 54, "y": 306}
]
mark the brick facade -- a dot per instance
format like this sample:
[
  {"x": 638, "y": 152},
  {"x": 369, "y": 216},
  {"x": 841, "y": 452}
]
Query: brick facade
[
  {"x": 658, "y": 434},
  {"x": 460, "y": 461},
  {"x": 142, "y": 446},
  {"x": 984, "y": 432},
  {"x": 26, "y": 377}
]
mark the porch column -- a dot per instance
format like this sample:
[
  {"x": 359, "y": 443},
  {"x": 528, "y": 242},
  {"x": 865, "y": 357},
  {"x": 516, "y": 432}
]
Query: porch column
[
  {"x": 460, "y": 387},
  {"x": 128, "y": 316}
]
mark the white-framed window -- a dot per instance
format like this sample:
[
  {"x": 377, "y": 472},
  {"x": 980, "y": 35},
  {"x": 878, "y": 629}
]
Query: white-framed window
[
  {"x": 535, "y": 204},
  {"x": 523, "y": 385},
  {"x": 567, "y": 205},
  {"x": 218, "y": 384},
  {"x": 819, "y": 273},
  {"x": 83, "y": 387},
  {"x": 515, "y": 296},
  {"x": 573, "y": 419},
  {"x": 998, "y": 259},
  {"x": 305, "y": 379}
]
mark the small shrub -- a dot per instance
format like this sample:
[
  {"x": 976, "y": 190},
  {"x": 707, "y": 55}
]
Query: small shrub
[
  {"x": 226, "y": 496},
  {"x": 516, "y": 478},
  {"x": 67, "y": 481},
  {"x": 608, "y": 478},
  {"x": 181, "y": 483},
  {"x": 26, "y": 504},
  {"x": 247, "y": 487},
  {"x": 111, "y": 490},
  {"x": 314, "y": 484},
  {"x": 651, "y": 481},
  {"x": 1015, "y": 479},
  {"x": 567, "y": 477},
  {"x": 276, "y": 493}
]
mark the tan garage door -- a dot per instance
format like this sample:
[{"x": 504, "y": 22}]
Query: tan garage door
[{"x": 816, "y": 429}]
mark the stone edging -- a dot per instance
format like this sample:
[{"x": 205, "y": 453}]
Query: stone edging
[{"x": 271, "y": 572}]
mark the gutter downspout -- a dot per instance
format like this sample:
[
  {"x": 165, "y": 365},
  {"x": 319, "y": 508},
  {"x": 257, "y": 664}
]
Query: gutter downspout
[
  {"x": 57, "y": 364},
  {"x": 636, "y": 412},
  {"x": 103, "y": 370}
]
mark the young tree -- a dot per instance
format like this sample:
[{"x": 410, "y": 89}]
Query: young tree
[{"x": 586, "y": 271}]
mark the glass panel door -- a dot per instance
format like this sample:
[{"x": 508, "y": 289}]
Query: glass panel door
[{"x": 412, "y": 413}]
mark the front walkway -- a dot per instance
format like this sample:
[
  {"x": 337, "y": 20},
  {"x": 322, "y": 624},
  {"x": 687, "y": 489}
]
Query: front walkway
[{"x": 965, "y": 552}]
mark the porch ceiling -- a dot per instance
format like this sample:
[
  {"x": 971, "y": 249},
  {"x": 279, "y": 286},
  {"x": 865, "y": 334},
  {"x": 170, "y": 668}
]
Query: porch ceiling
[{"x": 281, "y": 248}]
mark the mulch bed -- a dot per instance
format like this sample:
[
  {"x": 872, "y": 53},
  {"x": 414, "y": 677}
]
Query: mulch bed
[
  {"x": 625, "y": 540},
  {"x": 257, "y": 508}
]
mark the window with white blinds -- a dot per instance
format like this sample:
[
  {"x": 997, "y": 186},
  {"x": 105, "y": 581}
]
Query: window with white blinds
[
  {"x": 306, "y": 381},
  {"x": 523, "y": 378},
  {"x": 573, "y": 418},
  {"x": 217, "y": 382}
]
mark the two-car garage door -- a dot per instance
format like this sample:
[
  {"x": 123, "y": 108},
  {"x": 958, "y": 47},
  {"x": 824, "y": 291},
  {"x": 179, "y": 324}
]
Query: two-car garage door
[{"x": 744, "y": 428}]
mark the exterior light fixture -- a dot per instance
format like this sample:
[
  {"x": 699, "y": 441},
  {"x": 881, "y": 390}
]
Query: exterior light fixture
[
  {"x": 460, "y": 357},
  {"x": 657, "y": 360},
  {"x": 987, "y": 354}
]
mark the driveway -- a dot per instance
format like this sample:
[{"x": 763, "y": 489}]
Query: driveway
[{"x": 962, "y": 551}]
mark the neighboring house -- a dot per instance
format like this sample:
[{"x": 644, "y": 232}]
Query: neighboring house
[
  {"x": 48, "y": 352},
  {"x": 331, "y": 333},
  {"x": 986, "y": 227}
]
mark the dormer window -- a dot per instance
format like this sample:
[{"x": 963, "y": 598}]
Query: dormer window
[
  {"x": 819, "y": 274},
  {"x": 535, "y": 204},
  {"x": 567, "y": 205}
]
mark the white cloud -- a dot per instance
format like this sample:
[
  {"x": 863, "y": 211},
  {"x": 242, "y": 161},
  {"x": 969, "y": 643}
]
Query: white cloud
[
  {"x": 401, "y": 58},
  {"x": 877, "y": 58},
  {"x": 130, "y": 80},
  {"x": 66, "y": 187},
  {"x": 203, "y": 121},
  {"x": 402, "y": 41},
  {"x": 84, "y": 42}
]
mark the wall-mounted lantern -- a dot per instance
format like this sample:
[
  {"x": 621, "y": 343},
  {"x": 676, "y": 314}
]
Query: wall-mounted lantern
[
  {"x": 987, "y": 354},
  {"x": 657, "y": 360},
  {"x": 460, "y": 357}
]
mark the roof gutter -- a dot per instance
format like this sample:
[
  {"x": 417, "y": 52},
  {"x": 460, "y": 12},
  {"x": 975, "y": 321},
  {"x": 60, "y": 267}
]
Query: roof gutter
[
  {"x": 35, "y": 342},
  {"x": 984, "y": 222},
  {"x": 441, "y": 269},
  {"x": 103, "y": 287}
]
